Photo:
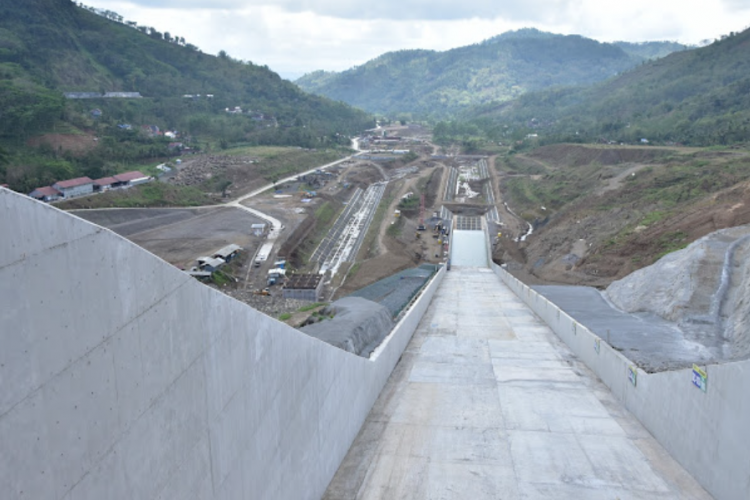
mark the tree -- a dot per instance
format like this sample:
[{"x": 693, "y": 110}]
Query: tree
[{"x": 223, "y": 186}]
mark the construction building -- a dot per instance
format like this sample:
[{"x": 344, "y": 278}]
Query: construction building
[
  {"x": 303, "y": 287},
  {"x": 46, "y": 193},
  {"x": 75, "y": 187},
  {"x": 228, "y": 253}
]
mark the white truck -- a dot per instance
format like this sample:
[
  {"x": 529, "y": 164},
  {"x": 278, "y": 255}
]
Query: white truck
[{"x": 263, "y": 254}]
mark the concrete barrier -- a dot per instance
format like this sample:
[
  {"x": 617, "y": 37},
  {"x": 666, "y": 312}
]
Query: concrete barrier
[
  {"x": 707, "y": 432},
  {"x": 487, "y": 241},
  {"x": 122, "y": 377}
]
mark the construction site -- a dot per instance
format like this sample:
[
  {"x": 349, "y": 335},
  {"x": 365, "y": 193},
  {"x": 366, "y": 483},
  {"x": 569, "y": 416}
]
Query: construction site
[
  {"x": 353, "y": 221},
  {"x": 390, "y": 351}
]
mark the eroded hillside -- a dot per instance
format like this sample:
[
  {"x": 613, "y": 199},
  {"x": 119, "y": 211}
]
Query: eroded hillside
[{"x": 602, "y": 212}]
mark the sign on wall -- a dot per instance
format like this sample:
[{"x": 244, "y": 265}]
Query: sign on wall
[
  {"x": 700, "y": 378},
  {"x": 633, "y": 375}
]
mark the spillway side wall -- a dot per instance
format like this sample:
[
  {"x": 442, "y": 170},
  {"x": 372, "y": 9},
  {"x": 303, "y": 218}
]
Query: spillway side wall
[
  {"x": 122, "y": 377},
  {"x": 707, "y": 432}
]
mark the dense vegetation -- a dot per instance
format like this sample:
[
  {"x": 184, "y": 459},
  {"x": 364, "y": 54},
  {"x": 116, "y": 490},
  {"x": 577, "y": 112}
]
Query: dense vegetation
[
  {"x": 696, "y": 97},
  {"x": 48, "y": 47},
  {"x": 428, "y": 83}
]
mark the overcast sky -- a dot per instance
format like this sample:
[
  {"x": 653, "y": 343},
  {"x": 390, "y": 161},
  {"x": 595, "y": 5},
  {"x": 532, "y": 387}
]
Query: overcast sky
[{"x": 293, "y": 37}]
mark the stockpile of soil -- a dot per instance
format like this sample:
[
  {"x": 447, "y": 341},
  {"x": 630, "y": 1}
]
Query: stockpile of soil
[{"x": 272, "y": 305}]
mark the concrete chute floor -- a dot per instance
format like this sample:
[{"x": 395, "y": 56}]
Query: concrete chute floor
[
  {"x": 469, "y": 243},
  {"x": 488, "y": 403}
]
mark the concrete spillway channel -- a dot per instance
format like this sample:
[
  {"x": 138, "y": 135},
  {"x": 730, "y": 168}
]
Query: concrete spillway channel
[
  {"x": 488, "y": 403},
  {"x": 122, "y": 377}
]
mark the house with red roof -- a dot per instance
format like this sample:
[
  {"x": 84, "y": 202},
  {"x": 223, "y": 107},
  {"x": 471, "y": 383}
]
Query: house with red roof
[
  {"x": 79, "y": 186},
  {"x": 46, "y": 193},
  {"x": 131, "y": 178},
  {"x": 105, "y": 184}
]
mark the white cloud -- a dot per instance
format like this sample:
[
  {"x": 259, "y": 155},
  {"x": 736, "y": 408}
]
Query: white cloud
[
  {"x": 383, "y": 9},
  {"x": 295, "y": 37}
]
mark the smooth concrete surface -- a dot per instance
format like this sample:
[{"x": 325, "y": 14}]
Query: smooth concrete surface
[
  {"x": 468, "y": 248},
  {"x": 707, "y": 432},
  {"x": 487, "y": 403},
  {"x": 123, "y": 378}
]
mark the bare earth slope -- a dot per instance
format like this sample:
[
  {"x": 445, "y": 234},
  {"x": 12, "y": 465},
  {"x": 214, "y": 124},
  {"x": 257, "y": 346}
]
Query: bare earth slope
[{"x": 602, "y": 212}]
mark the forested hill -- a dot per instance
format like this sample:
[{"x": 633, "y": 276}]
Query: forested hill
[
  {"x": 429, "y": 83},
  {"x": 696, "y": 97},
  {"x": 52, "y": 46}
]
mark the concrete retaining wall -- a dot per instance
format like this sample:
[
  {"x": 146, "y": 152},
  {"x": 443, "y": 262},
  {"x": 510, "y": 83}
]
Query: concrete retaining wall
[
  {"x": 122, "y": 377},
  {"x": 487, "y": 241},
  {"x": 707, "y": 432}
]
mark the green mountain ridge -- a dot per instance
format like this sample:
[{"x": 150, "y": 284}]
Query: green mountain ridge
[
  {"x": 696, "y": 97},
  {"x": 48, "y": 47},
  {"x": 438, "y": 84}
]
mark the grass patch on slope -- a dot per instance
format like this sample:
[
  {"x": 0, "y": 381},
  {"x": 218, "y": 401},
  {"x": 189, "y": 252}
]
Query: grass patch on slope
[{"x": 153, "y": 194}]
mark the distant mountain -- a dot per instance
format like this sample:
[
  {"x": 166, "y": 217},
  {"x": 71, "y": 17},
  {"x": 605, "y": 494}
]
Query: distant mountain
[
  {"x": 501, "y": 68},
  {"x": 651, "y": 50},
  {"x": 698, "y": 97}
]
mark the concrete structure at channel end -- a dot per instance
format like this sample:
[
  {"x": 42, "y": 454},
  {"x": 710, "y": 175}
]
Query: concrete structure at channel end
[
  {"x": 123, "y": 384},
  {"x": 707, "y": 432}
]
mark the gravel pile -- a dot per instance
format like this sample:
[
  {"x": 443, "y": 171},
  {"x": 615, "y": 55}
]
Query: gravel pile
[
  {"x": 209, "y": 167},
  {"x": 272, "y": 305}
]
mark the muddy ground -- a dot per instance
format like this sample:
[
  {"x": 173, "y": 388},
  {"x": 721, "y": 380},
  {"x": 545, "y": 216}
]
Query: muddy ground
[{"x": 179, "y": 236}]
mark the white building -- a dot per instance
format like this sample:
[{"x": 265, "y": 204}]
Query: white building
[{"x": 80, "y": 186}]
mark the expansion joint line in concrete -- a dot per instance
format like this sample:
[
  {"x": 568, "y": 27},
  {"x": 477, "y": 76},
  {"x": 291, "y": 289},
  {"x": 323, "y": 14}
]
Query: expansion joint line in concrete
[{"x": 25, "y": 256}]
